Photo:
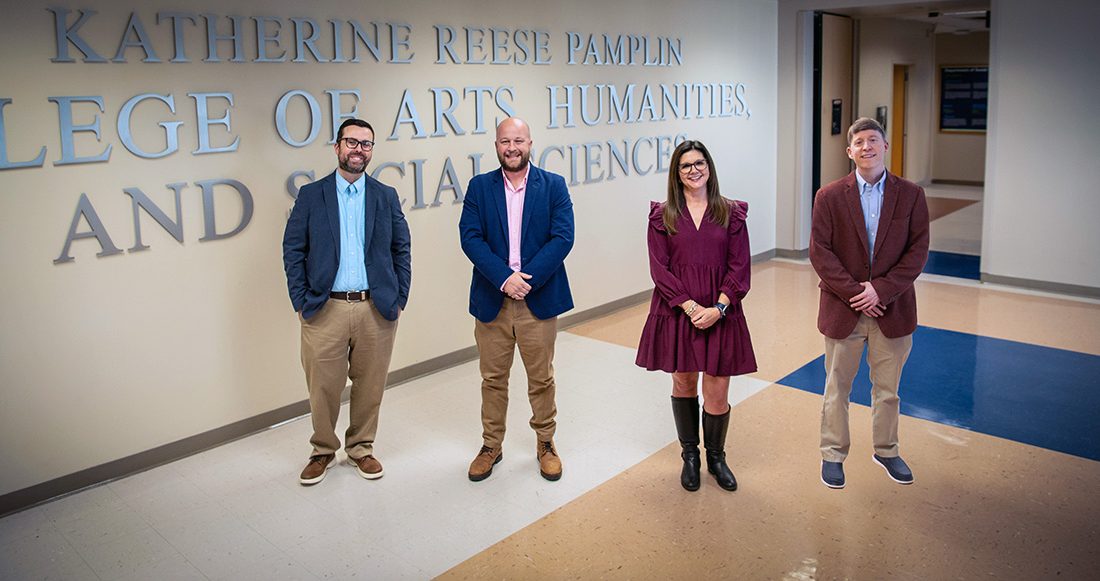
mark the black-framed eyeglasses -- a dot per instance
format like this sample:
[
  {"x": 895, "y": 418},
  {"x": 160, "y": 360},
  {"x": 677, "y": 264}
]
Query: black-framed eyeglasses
[
  {"x": 699, "y": 165},
  {"x": 353, "y": 143}
]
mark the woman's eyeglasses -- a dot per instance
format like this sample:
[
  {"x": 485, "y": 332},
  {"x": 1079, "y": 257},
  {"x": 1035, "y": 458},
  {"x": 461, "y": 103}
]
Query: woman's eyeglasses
[{"x": 698, "y": 165}]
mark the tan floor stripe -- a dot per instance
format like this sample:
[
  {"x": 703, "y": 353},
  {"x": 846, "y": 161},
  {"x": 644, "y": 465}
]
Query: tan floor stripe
[
  {"x": 981, "y": 508},
  {"x": 940, "y": 207}
]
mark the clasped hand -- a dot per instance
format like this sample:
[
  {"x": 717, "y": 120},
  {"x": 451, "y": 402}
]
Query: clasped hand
[
  {"x": 868, "y": 302},
  {"x": 701, "y": 317},
  {"x": 516, "y": 286}
]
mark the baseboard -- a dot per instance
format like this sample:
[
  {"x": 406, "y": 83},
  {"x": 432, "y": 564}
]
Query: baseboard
[
  {"x": 977, "y": 183},
  {"x": 135, "y": 463},
  {"x": 77, "y": 481},
  {"x": 126, "y": 466},
  {"x": 792, "y": 254},
  {"x": 764, "y": 256},
  {"x": 1042, "y": 285}
]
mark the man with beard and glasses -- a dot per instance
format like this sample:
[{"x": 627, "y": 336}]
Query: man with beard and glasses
[
  {"x": 517, "y": 228},
  {"x": 346, "y": 252}
]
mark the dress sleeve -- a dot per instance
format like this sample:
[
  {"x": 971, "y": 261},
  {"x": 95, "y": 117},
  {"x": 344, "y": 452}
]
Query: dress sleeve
[
  {"x": 668, "y": 286},
  {"x": 738, "y": 258}
]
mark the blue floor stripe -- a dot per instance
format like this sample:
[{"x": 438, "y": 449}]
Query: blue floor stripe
[
  {"x": 952, "y": 264},
  {"x": 1036, "y": 395}
]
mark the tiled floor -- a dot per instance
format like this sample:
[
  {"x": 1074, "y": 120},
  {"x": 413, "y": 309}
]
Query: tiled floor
[
  {"x": 956, "y": 230},
  {"x": 237, "y": 512},
  {"x": 984, "y": 505}
]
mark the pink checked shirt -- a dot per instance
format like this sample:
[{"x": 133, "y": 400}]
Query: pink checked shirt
[{"x": 513, "y": 199}]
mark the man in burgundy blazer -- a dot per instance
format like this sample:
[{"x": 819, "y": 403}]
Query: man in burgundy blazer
[{"x": 868, "y": 244}]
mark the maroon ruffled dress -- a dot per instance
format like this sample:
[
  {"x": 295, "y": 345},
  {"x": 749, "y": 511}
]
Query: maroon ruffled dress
[{"x": 697, "y": 264}]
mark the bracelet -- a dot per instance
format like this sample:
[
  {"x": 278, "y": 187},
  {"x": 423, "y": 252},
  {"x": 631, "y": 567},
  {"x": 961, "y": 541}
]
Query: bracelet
[
  {"x": 721, "y": 309},
  {"x": 692, "y": 309}
]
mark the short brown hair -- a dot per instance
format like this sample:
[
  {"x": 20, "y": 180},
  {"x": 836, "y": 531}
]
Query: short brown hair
[
  {"x": 359, "y": 123},
  {"x": 863, "y": 124}
]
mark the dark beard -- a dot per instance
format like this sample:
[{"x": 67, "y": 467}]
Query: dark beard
[
  {"x": 523, "y": 161},
  {"x": 345, "y": 164}
]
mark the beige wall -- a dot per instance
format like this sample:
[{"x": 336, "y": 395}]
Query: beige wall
[
  {"x": 1038, "y": 220},
  {"x": 957, "y": 156},
  {"x": 102, "y": 358},
  {"x": 836, "y": 83},
  {"x": 884, "y": 43},
  {"x": 1035, "y": 222}
]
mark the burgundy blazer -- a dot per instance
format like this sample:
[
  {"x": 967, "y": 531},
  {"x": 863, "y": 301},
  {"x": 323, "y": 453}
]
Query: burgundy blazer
[{"x": 838, "y": 252}]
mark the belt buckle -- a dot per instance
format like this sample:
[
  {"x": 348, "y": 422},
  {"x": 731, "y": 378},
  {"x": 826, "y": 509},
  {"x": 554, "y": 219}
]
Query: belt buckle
[{"x": 360, "y": 296}]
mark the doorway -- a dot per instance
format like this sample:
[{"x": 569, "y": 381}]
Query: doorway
[{"x": 897, "y": 123}]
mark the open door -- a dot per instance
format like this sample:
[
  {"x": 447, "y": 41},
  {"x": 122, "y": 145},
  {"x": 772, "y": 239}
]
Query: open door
[
  {"x": 897, "y": 121},
  {"x": 833, "y": 96}
]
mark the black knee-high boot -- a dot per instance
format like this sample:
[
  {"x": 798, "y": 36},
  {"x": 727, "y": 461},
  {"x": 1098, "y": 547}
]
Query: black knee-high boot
[
  {"x": 685, "y": 411},
  {"x": 714, "y": 437}
]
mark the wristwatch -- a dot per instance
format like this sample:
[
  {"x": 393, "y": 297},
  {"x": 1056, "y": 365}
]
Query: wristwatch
[{"x": 721, "y": 309}]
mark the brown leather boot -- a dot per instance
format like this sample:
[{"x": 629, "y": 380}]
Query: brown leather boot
[
  {"x": 549, "y": 462},
  {"x": 482, "y": 466}
]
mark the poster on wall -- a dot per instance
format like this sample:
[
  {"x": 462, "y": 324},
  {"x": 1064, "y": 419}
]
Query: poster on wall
[{"x": 964, "y": 98}]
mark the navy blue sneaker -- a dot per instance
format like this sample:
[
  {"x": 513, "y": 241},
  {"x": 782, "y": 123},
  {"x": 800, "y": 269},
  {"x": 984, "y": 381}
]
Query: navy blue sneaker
[
  {"x": 896, "y": 468},
  {"x": 832, "y": 474}
]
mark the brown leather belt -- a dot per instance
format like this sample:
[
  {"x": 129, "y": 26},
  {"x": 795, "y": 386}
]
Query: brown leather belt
[{"x": 352, "y": 297}]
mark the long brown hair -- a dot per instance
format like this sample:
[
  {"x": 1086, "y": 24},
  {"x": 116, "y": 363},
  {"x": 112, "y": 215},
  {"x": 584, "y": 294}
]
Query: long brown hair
[{"x": 718, "y": 209}]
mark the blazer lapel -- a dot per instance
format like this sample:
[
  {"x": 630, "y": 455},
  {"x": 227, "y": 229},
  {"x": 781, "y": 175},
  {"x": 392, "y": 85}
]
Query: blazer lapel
[
  {"x": 889, "y": 202},
  {"x": 332, "y": 208},
  {"x": 532, "y": 194},
  {"x": 372, "y": 210},
  {"x": 497, "y": 195},
  {"x": 855, "y": 209}
]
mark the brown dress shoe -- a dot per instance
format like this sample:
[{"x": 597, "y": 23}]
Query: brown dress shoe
[
  {"x": 482, "y": 466},
  {"x": 368, "y": 466},
  {"x": 315, "y": 471},
  {"x": 549, "y": 462}
]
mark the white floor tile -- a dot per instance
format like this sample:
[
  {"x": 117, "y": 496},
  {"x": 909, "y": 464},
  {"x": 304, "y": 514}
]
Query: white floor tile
[
  {"x": 28, "y": 523},
  {"x": 47, "y": 554},
  {"x": 959, "y": 232},
  {"x": 237, "y": 511},
  {"x": 101, "y": 526},
  {"x": 173, "y": 568},
  {"x": 129, "y": 554}
]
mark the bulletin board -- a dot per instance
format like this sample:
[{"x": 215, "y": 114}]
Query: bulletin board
[{"x": 964, "y": 99}]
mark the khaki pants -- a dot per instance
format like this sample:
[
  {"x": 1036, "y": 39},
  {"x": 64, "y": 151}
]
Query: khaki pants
[
  {"x": 496, "y": 343},
  {"x": 886, "y": 357},
  {"x": 346, "y": 340}
]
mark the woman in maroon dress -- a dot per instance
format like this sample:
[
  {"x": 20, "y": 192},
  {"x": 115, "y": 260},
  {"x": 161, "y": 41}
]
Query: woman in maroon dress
[{"x": 699, "y": 259}]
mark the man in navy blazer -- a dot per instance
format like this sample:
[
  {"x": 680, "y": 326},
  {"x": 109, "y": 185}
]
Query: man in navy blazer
[
  {"x": 346, "y": 252},
  {"x": 517, "y": 228}
]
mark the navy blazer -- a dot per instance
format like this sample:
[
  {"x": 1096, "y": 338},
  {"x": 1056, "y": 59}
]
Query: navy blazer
[
  {"x": 547, "y": 237},
  {"x": 311, "y": 247}
]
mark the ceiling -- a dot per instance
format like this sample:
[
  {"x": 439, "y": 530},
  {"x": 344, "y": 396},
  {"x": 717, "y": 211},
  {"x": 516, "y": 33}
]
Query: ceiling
[{"x": 948, "y": 17}]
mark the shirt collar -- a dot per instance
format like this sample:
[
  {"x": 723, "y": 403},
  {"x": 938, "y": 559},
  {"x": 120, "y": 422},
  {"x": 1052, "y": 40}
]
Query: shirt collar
[
  {"x": 342, "y": 184},
  {"x": 877, "y": 186},
  {"x": 508, "y": 184}
]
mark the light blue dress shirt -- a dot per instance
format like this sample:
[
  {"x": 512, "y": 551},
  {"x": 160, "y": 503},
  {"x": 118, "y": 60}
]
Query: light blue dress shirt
[
  {"x": 352, "y": 272},
  {"x": 870, "y": 197}
]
